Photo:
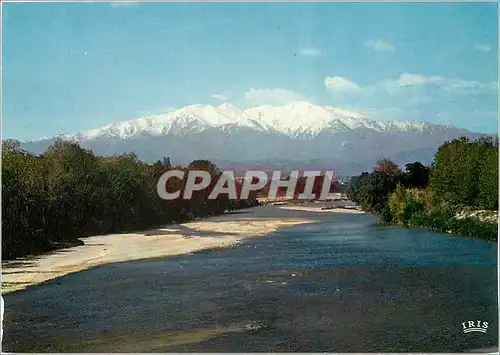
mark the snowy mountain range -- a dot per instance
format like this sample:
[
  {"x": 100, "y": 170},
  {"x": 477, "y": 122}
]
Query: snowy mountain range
[
  {"x": 297, "y": 133},
  {"x": 296, "y": 120}
]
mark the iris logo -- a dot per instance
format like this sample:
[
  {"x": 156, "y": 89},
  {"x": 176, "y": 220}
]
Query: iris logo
[{"x": 475, "y": 326}]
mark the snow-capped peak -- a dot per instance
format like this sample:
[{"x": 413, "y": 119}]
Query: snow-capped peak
[{"x": 296, "y": 119}]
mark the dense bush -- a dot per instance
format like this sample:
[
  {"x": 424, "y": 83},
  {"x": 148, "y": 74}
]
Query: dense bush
[
  {"x": 403, "y": 205},
  {"x": 473, "y": 227},
  {"x": 447, "y": 223},
  {"x": 371, "y": 191},
  {"x": 463, "y": 177},
  {"x": 436, "y": 220}
]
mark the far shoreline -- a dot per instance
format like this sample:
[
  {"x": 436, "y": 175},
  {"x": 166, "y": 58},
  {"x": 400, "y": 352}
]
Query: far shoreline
[{"x": 319, "y": 209}]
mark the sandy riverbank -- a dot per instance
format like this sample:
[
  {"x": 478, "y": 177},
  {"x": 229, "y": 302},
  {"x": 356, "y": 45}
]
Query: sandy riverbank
[
  {"x": 318, "y": 209},
  {"x": 168, "y": 241}
]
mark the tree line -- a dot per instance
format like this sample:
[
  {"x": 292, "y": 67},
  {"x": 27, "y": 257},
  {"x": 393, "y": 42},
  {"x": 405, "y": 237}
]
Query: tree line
[
  {"x": 53, "y": 199},
  {"x": 462, "y": 180}
]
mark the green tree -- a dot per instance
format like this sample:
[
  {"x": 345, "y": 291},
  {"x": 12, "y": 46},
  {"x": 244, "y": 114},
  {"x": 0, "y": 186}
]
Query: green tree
[
  {"x": 466, "y": 173},
  {"x": 371, "y": 191},
  {"x": 416, "y": 175}
]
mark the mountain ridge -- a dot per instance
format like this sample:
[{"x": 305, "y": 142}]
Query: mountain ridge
[
  {"x": 299, "y": 131},
  {"x": 297, "y": 119}
]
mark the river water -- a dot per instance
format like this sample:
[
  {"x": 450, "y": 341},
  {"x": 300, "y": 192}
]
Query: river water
[{"x": 341, "y": 284}]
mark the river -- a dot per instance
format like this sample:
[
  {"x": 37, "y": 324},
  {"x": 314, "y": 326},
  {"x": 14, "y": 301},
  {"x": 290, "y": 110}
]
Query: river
[{"x": 341, "y": 284}]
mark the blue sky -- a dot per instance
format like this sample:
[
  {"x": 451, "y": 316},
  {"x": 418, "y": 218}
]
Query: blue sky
[{"x": 74, "y": 66}]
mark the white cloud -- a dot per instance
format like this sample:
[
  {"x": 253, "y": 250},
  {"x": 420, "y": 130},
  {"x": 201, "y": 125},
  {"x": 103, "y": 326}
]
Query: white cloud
[
  {"x": 421, "y": 84},
  {"x": 219, "y": 97},
  {"x": 482, "y": 47},
  {"x": 380, "y": 45},
  {"x": 272, "y": 96},
  {"x": 416, "y": 97},
  {"x": 339, "y": 83},
  {"x": 407, "y": 79},
  {"x": 470, "y": 86},
  {"x": 310, "y": 52}
]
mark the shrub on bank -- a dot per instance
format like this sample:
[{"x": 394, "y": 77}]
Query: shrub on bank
[
  {"x": 473, "y": 228},
  {"x": 447, "y": 223},
  {"x": 419, "y": 208}
]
